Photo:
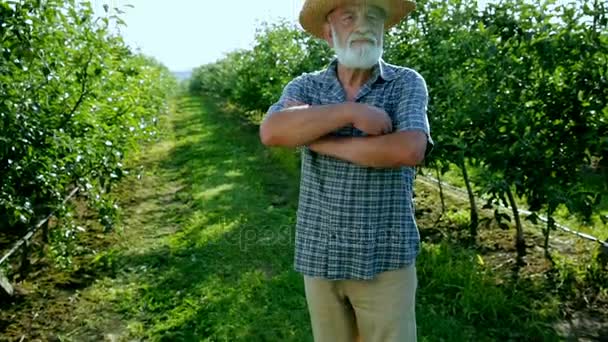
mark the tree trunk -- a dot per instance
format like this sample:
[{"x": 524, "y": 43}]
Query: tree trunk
[
  {"x": 596, "y": 17},
  {"x": 474, "y": 216},
  {"x": 520, "y": 243},
  {"x": 45, "y": 232},
  {"x": 547, "y": 231},
  {"x": 441, "y": 196},
  {"x": 24, "y": 268}
]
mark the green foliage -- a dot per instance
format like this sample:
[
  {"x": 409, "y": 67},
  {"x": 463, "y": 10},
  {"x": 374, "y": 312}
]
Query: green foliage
[
  {"x": 507, "y": 93},
  {"x": 74, "y": 102},
  {"x": 459, "y": 218},
  {"x": 255, "y": 78}
]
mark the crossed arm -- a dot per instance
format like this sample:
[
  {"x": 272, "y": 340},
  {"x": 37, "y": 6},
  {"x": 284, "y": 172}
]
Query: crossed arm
[
  {"x": 391, "y": 150},
  {"x": 304, "y": 125}
]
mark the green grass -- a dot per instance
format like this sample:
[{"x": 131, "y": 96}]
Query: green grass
[
  {"x": 206, "y": 254},
  {"x": 226, "y": 274}
]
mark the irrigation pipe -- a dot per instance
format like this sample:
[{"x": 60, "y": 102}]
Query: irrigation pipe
[
  {"x": 3, "y": 281},
  {"x": 523, "y": 212}
]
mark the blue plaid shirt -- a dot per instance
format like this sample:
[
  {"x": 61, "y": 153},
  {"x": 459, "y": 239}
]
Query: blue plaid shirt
[{"x": 354, "y": 222}]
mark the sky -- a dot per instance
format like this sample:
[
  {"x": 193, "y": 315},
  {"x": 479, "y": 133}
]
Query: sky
[{"x": 184, "y": 34}]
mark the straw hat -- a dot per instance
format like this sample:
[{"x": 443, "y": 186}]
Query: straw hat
[{"x": 314, "y": 12}]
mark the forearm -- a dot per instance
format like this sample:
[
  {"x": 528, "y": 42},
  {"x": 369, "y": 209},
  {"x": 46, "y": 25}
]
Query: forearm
[
  {"x": 298, "y": 126},
  {"x": 386, "y": 151}
]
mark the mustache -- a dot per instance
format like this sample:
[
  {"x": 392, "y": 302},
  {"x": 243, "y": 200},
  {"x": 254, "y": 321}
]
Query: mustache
[{"x": 359, "y": 36}]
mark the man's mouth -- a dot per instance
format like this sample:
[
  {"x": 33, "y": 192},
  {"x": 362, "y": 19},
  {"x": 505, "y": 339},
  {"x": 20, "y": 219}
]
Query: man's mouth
[{"x": 360, "y": 41}]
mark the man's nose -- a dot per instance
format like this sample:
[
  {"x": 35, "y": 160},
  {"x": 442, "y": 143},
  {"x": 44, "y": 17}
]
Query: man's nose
[{"x": 363, "y": 26}]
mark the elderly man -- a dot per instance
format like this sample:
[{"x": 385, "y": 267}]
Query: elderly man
[{"x": 362, "y": 127}]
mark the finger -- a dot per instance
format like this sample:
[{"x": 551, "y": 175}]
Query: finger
[{"x": 388, "y": 127}]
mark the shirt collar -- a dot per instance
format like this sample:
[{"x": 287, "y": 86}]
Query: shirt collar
[{"x": 381, "y": 69}]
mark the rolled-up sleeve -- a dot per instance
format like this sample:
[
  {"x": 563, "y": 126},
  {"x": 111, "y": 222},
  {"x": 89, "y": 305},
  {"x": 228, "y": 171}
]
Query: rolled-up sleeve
[
  {"x": 296, "y": 91},
  {"x": 411, "y": 112}
]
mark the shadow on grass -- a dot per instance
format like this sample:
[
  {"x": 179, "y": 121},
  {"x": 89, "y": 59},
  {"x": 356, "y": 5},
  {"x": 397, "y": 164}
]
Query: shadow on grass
[{"x": 226, "y": 274}]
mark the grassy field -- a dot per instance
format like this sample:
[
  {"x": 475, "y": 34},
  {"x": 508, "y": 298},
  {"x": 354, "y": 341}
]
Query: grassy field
[{"x": 206, "y": 247}]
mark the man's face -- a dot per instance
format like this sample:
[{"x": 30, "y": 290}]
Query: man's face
[{"x": 356, "y": 33}]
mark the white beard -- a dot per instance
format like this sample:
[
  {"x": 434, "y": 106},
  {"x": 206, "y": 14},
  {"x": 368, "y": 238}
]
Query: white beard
[{"x": 364, "y": 56}]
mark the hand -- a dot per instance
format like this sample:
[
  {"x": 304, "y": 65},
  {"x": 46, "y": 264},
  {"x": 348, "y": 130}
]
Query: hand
[
  {"x": 369, "y": 119},
  {"x": 318, "y": 144}
]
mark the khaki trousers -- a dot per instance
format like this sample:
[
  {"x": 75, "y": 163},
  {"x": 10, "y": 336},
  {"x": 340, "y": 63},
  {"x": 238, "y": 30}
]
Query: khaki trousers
[{"x": 377, "y": 310}]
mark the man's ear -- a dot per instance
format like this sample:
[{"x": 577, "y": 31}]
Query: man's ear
[{"x": 327, "y": 34}]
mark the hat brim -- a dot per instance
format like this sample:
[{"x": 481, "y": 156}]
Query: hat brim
[{"x": 314, "y": 13}]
